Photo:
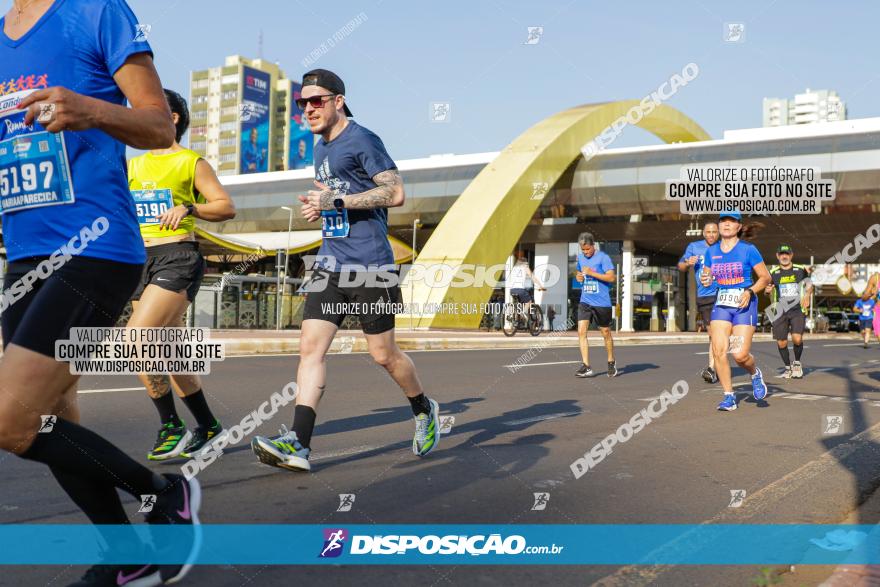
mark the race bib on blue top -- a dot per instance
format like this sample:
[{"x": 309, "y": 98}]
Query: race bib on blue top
[
  {"x": 334, "y": 223},
  {"x": 34, "y": 172},
  {"x": 729, "y": 297},
  {"x": 151, "y": 204},
  {"x": 591, "y": 286}
]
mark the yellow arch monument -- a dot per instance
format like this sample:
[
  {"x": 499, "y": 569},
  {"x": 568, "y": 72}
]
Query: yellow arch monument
[{"x": 484, "y": 224}]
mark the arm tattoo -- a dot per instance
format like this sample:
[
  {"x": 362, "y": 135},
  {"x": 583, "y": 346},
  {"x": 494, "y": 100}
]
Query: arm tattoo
[
  {"x": 387, "y": 184},
  {"x": 326, "y": 199}
]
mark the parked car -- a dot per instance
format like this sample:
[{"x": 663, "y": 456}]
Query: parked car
[
  {"x": 853, "y": 321},
  {"x": 838, "y": 321}
]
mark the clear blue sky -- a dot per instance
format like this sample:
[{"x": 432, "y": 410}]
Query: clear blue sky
[{"x": 472, "y": 54}]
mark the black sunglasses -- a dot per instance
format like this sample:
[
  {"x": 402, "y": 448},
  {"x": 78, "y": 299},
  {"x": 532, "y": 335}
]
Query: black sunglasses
[{"x": 315, "y": 101}]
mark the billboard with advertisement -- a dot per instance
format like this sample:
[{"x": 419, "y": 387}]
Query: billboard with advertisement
[
  {"x": 301, "y": 139},
  {"x": 255, "y": 120}
]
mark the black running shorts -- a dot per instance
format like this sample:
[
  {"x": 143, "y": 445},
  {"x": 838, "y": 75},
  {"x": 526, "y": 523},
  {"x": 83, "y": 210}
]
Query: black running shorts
[
  {"x": 84, "y": 292},
  {"x": 704, "y": 307},
  {"x": 792, "y": 321},
  {"x": 175, "y": 267},
  {"x": 327, "y": 300},
  {"x": 600, "y": 316}
]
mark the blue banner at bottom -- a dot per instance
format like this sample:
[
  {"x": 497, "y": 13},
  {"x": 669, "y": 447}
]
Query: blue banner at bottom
[{"x": 474, "y": 544}]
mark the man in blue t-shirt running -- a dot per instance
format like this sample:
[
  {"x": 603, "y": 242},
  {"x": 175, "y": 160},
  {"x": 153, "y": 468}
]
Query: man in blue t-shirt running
[
  {"x": 356, "y": 182},
  {"x": 595, "y": 273},
  {"x": 695, "y": 256}
]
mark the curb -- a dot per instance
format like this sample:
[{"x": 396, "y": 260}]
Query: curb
[{"x": 357, "y": 344}]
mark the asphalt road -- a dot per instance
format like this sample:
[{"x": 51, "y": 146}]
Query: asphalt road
[{"x": 514, "y": 434}]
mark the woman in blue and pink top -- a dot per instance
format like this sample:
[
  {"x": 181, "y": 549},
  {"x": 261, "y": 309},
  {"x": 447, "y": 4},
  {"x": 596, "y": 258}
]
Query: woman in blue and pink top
[{"x": 730, "y": 263}]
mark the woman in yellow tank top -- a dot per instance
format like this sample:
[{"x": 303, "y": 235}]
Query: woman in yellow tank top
[{"x": 171, "y": 188}]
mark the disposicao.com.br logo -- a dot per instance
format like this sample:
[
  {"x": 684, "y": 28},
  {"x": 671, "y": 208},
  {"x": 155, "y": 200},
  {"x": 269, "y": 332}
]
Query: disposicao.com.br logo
[{"x": 430, "y": 545}]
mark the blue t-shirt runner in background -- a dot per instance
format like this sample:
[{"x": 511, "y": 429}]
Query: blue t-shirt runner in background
[
  {"x": 594, "y": 292},
  {"x": 866, "y": 309},
  {"x": 347, "y": 165},
  {"x": 79, "y": 45},
  {"x": 698, "y": 249}
]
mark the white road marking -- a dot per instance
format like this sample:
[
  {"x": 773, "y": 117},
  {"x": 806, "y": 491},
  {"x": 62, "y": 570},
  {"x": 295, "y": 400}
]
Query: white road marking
[
  {"x": 844, "y": 344},
  {"x": 541, "y": 364},
  {"x": 112, "y": 390},
  {"x": 540, "y": 418},
  {"x": 344, "y": 452}
]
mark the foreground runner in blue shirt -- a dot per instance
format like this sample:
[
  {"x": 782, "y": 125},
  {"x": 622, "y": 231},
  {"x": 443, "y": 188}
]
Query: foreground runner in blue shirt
[
  {"x": 356, "y": 180},
  {"x": 694, "y": 256},
  {"x": 595, "y": 272},
  {"x": 729, "y": 263},
  {"x": 74, "y": 250}
]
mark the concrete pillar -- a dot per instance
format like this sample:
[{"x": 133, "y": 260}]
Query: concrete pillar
[
  {"x": 626, "y": 284},
  {"x": 551, "y": 269}
]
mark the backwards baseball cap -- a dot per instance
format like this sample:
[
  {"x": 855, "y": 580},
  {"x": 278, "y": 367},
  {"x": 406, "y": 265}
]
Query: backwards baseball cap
[
  {"x": 785, "y": 249},
  {"x": 327, "y": 80},
  {"x": 730, "y": 214}
]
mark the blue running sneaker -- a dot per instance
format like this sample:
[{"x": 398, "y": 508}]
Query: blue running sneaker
[
  {"x": 729, "y": 403},
  {"x": 283, "y": 451},
  {"x": 759, "y": 389}
]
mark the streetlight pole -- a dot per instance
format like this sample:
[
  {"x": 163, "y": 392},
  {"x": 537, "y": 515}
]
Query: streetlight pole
[
  {"x": 416, "y": 224},
  {"x": 280, "y": 311}
]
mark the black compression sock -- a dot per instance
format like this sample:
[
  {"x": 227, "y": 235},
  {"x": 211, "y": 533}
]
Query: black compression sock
[
  {"x": 99, "y": 502},
  {"x": 165, "y": 407},
  {"x": 786, "y": 357},
  {"x": 303, "y": 424},
  {"x": 420, "y": 404},
  {"x": 198, "y": 406},
  {"x": 798, "y": 349},
  {"x": 76, "y": 450}
]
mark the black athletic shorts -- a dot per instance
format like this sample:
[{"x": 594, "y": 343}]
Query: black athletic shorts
[
  {"x": 334, "y": 302},
  {"x": 84, "y": 292},
  {"x": 792, "y": 321},
  {"x": 600, "y": 316},
  {"x": 175, "y": 267},
  {"x": 704, "y": 307}
]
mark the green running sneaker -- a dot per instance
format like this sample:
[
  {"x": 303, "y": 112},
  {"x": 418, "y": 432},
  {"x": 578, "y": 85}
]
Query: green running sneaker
[
  {"x": 201, "y": 437},
  {"x": 427, "y": 431},
  {"x": 283, "y": 451},
  {"x": 170, "y": 442}
]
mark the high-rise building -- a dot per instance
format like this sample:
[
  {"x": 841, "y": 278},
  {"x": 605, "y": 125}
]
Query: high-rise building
[
  {"x": 243, "y": 118},
  {"x": 806, "y": 108}
]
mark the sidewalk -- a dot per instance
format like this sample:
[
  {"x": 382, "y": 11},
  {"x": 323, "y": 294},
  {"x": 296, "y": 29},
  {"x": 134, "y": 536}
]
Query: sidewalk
[
  {"x": 842, "y": 575},
  {"x": 264, "y": 342}
]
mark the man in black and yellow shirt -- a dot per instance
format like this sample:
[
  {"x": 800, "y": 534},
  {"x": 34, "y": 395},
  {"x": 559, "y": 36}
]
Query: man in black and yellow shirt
[{"x": 791, "y": 290}]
